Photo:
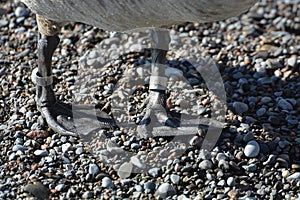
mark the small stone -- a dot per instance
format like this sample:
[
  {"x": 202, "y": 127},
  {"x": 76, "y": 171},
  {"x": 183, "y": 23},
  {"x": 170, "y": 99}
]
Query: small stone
[
  {"x": 294, "y": 176},
  {"x": 60, "y": 187},
  {"x": 18, "y": 147},
  {"x": 79, "y": 150},
  {"x": 3, "y": 22},
  {"x": 221, "y": 183},
  {"x": 12, "y": 156},
  {"x": 175, "y": 179},
  {"x": 38, "y": 190},
  {"x": 233, "y": 194},
  {"x": 250, "y": 168},
  {"x": 296, "y": 167},
  {"x": 149, "y": 186},
  {"x": 107, "y": 182},
  {"x": 41, "y": 152},
  {"x": 138, "y": 188},
  {"x": 65, "y": 147},
  {"x": 240, "y": 107},
  {"x": 274, "y": 120},
  {"x": 230, "y": 181},
  {"x": 205, "y": 164},
  {"x": 249, "y": 136},
  {"x": 21, "y": 12},
  {"x": 135, "y": 146},
  {"x": 266, "y": 100},
  {"x": 285, "y": 105},
  {"x": 260, "y": 112},
  {"x": 87, "y": 195},
  {"x": 36, "y": 134},
  {"x": 125, "y": 170},
  {"x": 292, "y": 61},
  {"x": 252, "y": 149},
  {"x": 154, "y": 172},
  {"x": 165, "y": 190},
  {"x": 94, "y": 169},
  {"x": 3, "y": 127}
]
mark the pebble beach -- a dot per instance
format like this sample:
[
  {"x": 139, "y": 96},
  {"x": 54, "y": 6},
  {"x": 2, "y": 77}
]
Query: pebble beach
[{"x": 257, "y": 155}]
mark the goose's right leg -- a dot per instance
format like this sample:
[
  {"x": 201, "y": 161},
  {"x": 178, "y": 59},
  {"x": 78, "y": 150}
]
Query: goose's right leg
[
  {"x": 59, "y": 116},
  {"x": 42, "y": 77}
]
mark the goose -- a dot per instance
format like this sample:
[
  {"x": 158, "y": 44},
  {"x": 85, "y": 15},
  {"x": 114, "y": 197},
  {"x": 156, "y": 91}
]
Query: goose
[{"x": 114, "y": 15}]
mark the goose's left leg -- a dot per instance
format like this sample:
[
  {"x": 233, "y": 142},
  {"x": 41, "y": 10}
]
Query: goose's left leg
[{"x": 156, "y": 102}]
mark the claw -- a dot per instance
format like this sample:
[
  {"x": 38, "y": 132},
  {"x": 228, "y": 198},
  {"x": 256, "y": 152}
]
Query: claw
[
  {"x": 60, "y": 119},
  {"x": 54, "y": 125},
  {"x": 155, "y": 111}
]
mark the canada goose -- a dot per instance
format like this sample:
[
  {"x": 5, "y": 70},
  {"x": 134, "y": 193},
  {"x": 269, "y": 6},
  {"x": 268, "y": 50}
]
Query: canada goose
[{"x": 116, "y": 16}]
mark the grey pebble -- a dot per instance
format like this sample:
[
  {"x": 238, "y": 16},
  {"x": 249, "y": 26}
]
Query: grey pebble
[
  {"x": 266, "y": 100},
  {"x": 249, "y": 136},
  {"x": 3, "y": 22},
  {"x": 240, "y": 107},
  {"x": 205, "y": 164},
  {"x": 284, "y": 104},
  {"x": 165, "y": 190},
  {"x": 154, "y": 172},
  {"x": 87, "y": 195},
  {"x": 138, "y": 188},
  {"x": 41, "y": 152},
  {"x": 107, "y": 182},
  {"x": 149, "y": 186},
  {"x": 18, "y": 147},
  {"x": 252, "y": 149},
  {"x": 94, "y": 169},
  {"x": 250, "y": 168},
  {"x": 21, "y": 12},
  {"x": 38, "y": 190},
  {"x": 230, "y": 181},
  {"x": 113, "y": 148},
  {"x": 175, "y": 179},
  {"x": 261, "y": 111},
  {"x": 79, "y": 150},
  {"x": 3, "y": 127},
  {"x": 294, "y": 176},
  {"x": 60, "y": 187}
]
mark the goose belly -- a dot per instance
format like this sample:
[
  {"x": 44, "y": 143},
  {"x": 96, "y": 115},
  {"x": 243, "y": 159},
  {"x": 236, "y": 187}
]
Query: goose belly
[{"x": 130, "y": 14}]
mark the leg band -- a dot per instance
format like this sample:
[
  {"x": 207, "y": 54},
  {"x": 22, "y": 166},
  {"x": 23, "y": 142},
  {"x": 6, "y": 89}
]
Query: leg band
[
  {"x": 41, "y": 81},
  {"x": 158, "y": 83}
]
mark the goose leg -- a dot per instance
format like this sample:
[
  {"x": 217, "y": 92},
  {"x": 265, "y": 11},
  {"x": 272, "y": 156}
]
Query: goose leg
[
  {"x": 50, "y": 109},
  {"x": 58, "y": 116},
  {"x": 156, "y": 102}
]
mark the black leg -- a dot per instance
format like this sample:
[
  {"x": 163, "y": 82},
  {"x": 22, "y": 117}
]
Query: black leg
[{"x": 156, "y": 102}]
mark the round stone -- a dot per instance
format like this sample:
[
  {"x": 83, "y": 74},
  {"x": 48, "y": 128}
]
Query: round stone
[
  {"x": 175, "y": 179},
  {"x": 205, "y": 164},
  {"x": 165, "y": 190},
  {"x": 94, "y": 169},
  {"x": 240, "y": 107},
  {"x": 252, "y": 149},
  {"x": 107, "y": 182}
]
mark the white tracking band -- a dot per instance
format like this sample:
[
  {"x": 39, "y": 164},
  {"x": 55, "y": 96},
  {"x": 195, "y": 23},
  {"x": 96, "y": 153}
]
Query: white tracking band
[
  {"x": 158, "y": 83},
  {"x": 41, "y": 81}
]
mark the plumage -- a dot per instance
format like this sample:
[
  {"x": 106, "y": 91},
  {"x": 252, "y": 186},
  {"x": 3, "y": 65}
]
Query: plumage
[{"x": 118, "y": 15}]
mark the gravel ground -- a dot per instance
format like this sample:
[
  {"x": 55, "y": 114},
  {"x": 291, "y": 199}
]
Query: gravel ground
[{"x": 256, "y": 157}]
